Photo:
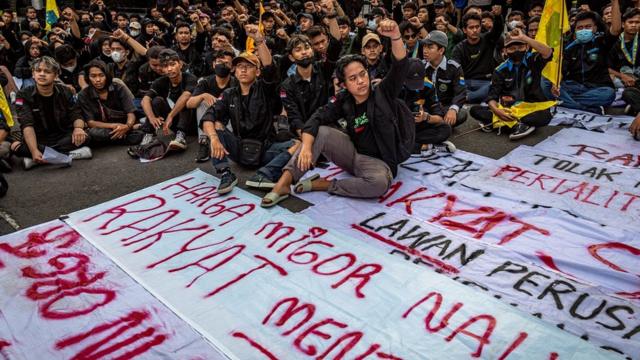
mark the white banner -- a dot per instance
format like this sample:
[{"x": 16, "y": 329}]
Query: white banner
[
  {"x": 62, "y": 299},
  {"x": 584, "y": 188},
  {"x": 262, "y": 283},
  {"x": 590, "y": 121},
  {"x": 614, "y": 147},
  {"x": 583, "y": 310},
  {"x": 440, "y": 168}
]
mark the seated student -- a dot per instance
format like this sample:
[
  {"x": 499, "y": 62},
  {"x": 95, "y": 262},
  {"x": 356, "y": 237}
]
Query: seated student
[
  {"x": 373, "y": 51},
  {"x": 624, "y": 62},
  {"x": 249, "y": 107},
  {"x": 165, "y": 103},
  {"x": 517, "y": 80},
  {"x": 447, "y": 78},
  {"x": 380, "y": 131},
  {"x": 586, "y": 84},
  {"x": 67, "y": 57},
  {"x": 107, "y": 106},
  {"x": 208, "y": 91},
  {"x": 49, "y": 116},
  {"x": 149, "y": 71},
  {"x": 33, "y": 49}
]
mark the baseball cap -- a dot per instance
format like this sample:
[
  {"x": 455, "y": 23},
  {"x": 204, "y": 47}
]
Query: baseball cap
[
  {"x": 135, "y": 25},
  {"x": 508, "y": 40},
  {"x": 436, "y": 37},
  {"x": 439, "y": 3},
  {"x": 369, "y": 37},
  {"x": 248, "y": 57},
  {"x": 415, "y": 75},
  {"x": 304, "y": 14},
  {"x": 167, "y": 55}
]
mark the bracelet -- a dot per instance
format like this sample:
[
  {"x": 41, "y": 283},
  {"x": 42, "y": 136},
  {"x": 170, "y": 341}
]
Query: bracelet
[{"x": 398, "y": 38}]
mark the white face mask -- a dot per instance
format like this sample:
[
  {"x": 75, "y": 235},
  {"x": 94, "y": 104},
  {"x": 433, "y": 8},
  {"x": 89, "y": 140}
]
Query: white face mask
[
  {"x": 24, "y": 42},
  {"x": 513, "y": 24},
  {"x": 69, "y": 68},
  {"x": 117, "y": 56},
  {"x": 1, "y": 46},
  {"x": 134, "y": 33}
]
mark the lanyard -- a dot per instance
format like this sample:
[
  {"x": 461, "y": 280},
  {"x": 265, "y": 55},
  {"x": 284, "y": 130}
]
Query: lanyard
[{"x": 631, "y": 58}]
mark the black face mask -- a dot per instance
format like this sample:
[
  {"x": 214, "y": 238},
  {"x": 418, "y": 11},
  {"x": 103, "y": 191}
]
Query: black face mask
[
  {"x": 222, "y": 70},
  {"x": 517, "y": 56},
  {"x": 304, "y": 62}
]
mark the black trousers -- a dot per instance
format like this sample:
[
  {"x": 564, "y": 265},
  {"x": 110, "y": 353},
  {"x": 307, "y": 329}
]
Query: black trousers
[
  {"x": 101, "y": 137},
  {"x": 63, "y": 145},
  {"x": 537, "y": 118},
  {"x": 185, "y": 121},
  {"x": 431, "y": 134}
]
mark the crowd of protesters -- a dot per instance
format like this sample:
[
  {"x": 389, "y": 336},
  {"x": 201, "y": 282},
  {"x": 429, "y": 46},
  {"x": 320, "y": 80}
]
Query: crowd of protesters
[{"x": 280, "y": 85}]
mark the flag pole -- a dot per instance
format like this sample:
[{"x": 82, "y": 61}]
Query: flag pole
[{"x": 561, "y": 43}]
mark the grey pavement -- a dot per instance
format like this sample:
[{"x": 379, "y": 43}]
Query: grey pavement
[{"x": 45, "y": 193}]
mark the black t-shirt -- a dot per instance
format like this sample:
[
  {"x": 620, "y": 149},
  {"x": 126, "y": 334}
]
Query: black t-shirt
[
  {"x": 49, "y": 128},
  {"x": 362, "y": 132},
  {"x": 162, "y": 87},
  {"x": 209, "y": 85}
]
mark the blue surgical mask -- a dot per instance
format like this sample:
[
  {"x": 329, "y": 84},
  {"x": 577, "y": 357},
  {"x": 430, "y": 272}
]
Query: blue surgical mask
[{"x": 584, "y": 35}]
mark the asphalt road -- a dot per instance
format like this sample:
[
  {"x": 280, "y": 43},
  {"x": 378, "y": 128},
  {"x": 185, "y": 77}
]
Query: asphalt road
[{"x": 45, "y": 193}]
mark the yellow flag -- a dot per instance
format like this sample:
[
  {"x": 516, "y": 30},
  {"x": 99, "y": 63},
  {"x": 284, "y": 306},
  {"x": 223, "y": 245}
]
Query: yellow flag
[
  {"x": 519, "y": 111},
  {"x": 250, "y": 46},
  {"x": 52, "y": 14},
  {"x": 554, "y": 23},
  {"x": 4, "y": 108}
]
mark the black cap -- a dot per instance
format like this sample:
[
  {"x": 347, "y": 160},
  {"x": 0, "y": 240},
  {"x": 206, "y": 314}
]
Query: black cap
[{"x": 415, "y": 75}]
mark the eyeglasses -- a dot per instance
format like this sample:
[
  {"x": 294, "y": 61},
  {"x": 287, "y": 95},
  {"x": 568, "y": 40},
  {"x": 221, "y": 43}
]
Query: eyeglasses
[
  {"x": 245, "y": 67},
  {"x": 410, "y": 36}
]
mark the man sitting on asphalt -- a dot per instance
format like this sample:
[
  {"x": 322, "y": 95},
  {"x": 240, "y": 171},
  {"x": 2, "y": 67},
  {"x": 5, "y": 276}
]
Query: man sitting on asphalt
[
  {"x": 380, "y": 131},
  {"x": 49, "y": 117},
  {"x": 250, "y": 107},
  {"x": 164, "y": 104},
  {"x": 107, "y": 106}
]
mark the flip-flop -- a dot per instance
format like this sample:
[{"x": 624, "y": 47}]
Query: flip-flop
[
  {"x": 306, "y": 184},
  {"x": 274, "y": 197}
]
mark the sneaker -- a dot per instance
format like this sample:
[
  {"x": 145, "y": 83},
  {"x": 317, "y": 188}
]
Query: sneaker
[
  {"x": 259, "y": 181},
  {"x": 486, "y": 127},
  {"x": 146, "y": 139},
  {"x": 204, "y": 152},
  {"x": 443, "y": 147},
  {"x": 179, "y": 143},
  {"x": 81, "y": 153},
  {"x": 227, "y": 182},
  {"x": 522, "y": 130},
  {"x": 627, "y": 110},
  {"x": 28, "y": 163}
]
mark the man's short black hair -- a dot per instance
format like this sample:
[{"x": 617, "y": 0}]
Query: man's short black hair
[
  {"x": 268, "y": 15},
  {"x": 182, "y": 24},
  {"x": 345, "y": 61},
  {"x": 631, "y": 12},
  {"x": 222, "y": 31},
  {"x": 121, "y": 42},
  {"x": 154, "y": 52},
  {"x": 315, "y": 31},
  {"x": 405, "y": 25},
  {"x": 410, "y": 5},
  {"x": 65, "y": 53},
  {"x": 343, "y": 20},
  {"x": 516, "y": 13},
  {"x": 124, "y": 15},
  {"x": 487, "y": 14},
  {"x": 467, "y": 17},
  {"x": 535, "y": 4},
  {"x": 296, "y": 40},
  {"x": 222, "y": 53},
  {"x": 533, "y": 20},
  {"x": 584, "y": 15}
]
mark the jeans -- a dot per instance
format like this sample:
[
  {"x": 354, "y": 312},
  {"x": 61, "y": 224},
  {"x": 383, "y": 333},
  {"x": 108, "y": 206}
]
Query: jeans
[
  {"x": 587, "y": 97},
  {"x": 273, "y": 159},
  {"x": 477, "y": 90}
]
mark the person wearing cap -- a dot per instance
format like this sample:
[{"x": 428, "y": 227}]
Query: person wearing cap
[
  {"x": 516, "y": 80},
  {"x": 309, "y": 87},
  {"x": 447, "y": 78},
  {"x": 475, "y": 54},
  {"x": 165, "y": 102},
  {"x": 305, "y": 21},
  {"x": 380, "y": 131},
  {"x": 107, "y": 107},
  {"x": 250, "y": 108},
  {"x": 135, "y": 28},
  {"x": 430, "y": 129},
  {"x": 372, "y": 50}
]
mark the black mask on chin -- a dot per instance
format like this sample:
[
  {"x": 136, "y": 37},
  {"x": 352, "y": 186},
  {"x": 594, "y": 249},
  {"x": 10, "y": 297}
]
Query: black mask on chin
[
  {"x": 304, "y": 62},
  {"x": 222, "y": 70}
]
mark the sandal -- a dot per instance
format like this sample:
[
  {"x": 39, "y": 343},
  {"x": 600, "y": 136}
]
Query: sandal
[
  {"x": 305, "y": 185},
  {"x": 274, "y": 198}
]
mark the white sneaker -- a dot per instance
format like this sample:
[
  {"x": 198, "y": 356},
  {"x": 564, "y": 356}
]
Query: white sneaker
[
  {"x": 28, "y": 163},
  {"x": 445, "y": 146},
  {"x": 81, "y": 153},
  {"x": 179, "y": 143}
]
